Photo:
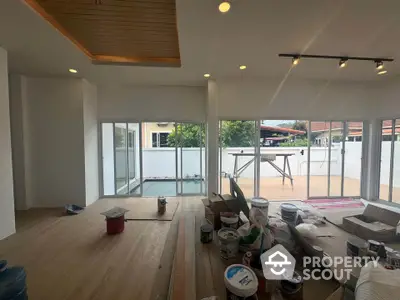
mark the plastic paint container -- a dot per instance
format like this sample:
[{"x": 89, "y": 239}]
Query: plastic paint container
[
  {"x": 289, "y": 213},
  {"x": 229, "y": 220},
  {"x": 292, "y": 289},
  {"x": 229, "y": 242},
  {"x": 261, "y": 204},
  {"x": 356, "y": 247},
  {"x": 206, "y": 233},
  {"x": 240, "y": 282},
  {"x": 374, "y": 247},
  {"x": 161, "y": 205}
]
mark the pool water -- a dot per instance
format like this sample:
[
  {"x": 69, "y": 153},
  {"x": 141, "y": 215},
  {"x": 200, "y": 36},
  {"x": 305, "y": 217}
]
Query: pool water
[{"x": 154, "y": 188}]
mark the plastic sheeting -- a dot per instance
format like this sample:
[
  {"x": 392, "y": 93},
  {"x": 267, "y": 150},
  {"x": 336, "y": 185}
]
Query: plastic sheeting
[{"x": 377, "y": 283}]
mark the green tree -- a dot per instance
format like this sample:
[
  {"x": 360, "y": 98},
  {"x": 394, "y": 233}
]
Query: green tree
[
  {"x": 300, "y": 125},
  {"x": 237, "y": 134},
  {"x": 189, "y": 135},
  {"x": 232, "y": 134}
]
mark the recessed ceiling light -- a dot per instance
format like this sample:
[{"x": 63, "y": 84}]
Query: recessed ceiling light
[
  {"x": 224, "y": 7},
  {"x": 382, "y": 72},
  {"x": 242, "y": 67},
  {"x": 295, "y": 60},
  {"x": 73, "y": 71},
  {"x": 207, "y": 75},
  {"x": 343, "y": 63}
]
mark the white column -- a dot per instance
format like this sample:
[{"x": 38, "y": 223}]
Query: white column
[
  {"x": 371, "y": 187},
  {"x": 7, "y": 214},
  {"x": 212, "y": 138}
]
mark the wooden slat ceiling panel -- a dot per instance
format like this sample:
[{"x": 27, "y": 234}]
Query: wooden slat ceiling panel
[{"x": 137, "y": 30}]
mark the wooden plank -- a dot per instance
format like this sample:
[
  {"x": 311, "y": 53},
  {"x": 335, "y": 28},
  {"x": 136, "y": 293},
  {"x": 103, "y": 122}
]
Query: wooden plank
[{"x": 183, "y": 277}]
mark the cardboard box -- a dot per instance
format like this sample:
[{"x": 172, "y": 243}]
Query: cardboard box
[
  {"x": 375, "y": 223},
  {"x": 214, "y": 205}
]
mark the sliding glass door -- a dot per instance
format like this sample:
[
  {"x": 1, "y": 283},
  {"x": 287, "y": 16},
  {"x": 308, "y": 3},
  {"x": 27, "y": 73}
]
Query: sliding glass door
[
  {"x": 335, "y": 159},
  {"x": 237, "y": 155},
  {"x": 190, "y": 155},
  {"x": 389, "y": 188},
  {"x": 120, "y": 159},
  {"x": 172, "y": 155}
]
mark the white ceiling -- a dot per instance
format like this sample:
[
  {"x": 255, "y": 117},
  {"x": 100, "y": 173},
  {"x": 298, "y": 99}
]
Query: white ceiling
[{"x": 252, "y": 33}]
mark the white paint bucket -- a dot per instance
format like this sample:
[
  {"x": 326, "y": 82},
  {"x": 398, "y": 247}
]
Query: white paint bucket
[
  {"x": 261, "y": 204},
  {"x": 228, "y": 242},
  {"x": 240, "y": 282},
  {"x": 289, "y": 213},
  {"x": 229, "y": 220}
]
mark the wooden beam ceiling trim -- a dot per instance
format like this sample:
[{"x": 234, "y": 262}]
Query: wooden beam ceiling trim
[{"x": 142, "y": 32}]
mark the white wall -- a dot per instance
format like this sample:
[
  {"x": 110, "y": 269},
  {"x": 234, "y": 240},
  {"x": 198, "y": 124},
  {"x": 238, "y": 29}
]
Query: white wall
[
  {"x": 387, "y": 97},
  {"x": 295, "y": 99},
  {"x": 7, "y": 215},
  {"x": 91, "y": 142},
  {"x": 151, "y": 103},
  {"x": 56, "y": 128}
]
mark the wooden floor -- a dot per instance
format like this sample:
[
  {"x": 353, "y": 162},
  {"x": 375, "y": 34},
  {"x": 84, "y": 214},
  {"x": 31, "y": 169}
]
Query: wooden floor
[{"x": 71, "y": 257}]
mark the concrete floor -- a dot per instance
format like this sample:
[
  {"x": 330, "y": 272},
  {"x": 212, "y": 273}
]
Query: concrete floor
[{"x": 272, "y": 188}]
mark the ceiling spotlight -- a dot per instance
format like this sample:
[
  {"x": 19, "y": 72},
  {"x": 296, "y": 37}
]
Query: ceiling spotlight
[
  {"x": 382, "y": 72},
  {"x": 343, "y": 63},
  {"x": 379, "y": 65},
  {"x": 207, "y": 75},
  {"x": 295, "y": 60},
  {"x": 73, "y": 71},
  {"x": 242, "y": 67},
  {"x": 224, "y": 7}
]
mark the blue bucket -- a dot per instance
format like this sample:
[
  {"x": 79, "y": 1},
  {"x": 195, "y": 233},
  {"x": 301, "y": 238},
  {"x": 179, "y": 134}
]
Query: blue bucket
[{"x": 12, "y": 282}]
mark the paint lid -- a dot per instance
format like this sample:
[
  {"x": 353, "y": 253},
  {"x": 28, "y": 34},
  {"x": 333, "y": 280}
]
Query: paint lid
[
  {"x": 240, "y": 280},
  {"x": 206, "y": 228},
  {"x": 289, "y": 207},
  {"x": 228, "y": 234},
  {"x": 374, "y": 242},
  {"x": 229, "y": 219},
  {"x": 259, "y": 202}
]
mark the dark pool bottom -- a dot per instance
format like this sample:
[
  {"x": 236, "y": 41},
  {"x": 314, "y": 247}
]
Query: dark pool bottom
[{"x": 167, "y": 187}]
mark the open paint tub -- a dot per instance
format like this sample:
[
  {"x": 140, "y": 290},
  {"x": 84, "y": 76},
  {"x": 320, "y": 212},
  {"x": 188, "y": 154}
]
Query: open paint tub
[
  {"x": 228, "y": 242},
  {"x": 240, "y": 282}
]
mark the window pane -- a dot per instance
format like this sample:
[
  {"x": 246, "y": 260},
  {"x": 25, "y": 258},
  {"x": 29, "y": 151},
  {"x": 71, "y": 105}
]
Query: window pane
[
  {"x": 385, "y": 159},
  {"x": 164, "y": 139},
  {"x": 154, "y": 139},
  {"x": 237, "y": 154},
  {"x": 396, "y": 165}
]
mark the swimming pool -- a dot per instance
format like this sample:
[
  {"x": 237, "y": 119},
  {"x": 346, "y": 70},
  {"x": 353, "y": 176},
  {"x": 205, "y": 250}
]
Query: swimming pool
[{"x": 167, "y": 187}]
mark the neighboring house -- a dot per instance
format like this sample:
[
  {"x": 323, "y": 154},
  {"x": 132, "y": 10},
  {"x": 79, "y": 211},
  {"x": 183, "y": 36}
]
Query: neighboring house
[
  {"x": 320, "y": 131},
  {"x": 155, "y": 134},
  {"x": 272, "y": 136}
]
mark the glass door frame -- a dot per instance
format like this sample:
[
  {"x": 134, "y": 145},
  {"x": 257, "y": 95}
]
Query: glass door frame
[
  {"x": 100, "y": 158},
  {"x": 179, "y": 160},
  {"x": 343, "y": 160},
  {"x": 391, "y": 164}
]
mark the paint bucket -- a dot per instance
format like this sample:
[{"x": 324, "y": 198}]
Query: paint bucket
[
  {"x": 374, "y": 247},
  {"x": 318, "y": 251},
  {"x": 240, "y": 282},
  {"x": 393, "y": 258},
  {"x": 292, "y": 289},
  {"x": 229, "y": 242},
  {"x": 356, "y": 247},
  {"x": 261, "y": 204},
  {"x": 162, "y": 205},
  {"x": 206, "y": 233},
  {"x": 229, "y": 220},
  {"x": 289, "y": 213},
  {"x": 115, "y": 225}
]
